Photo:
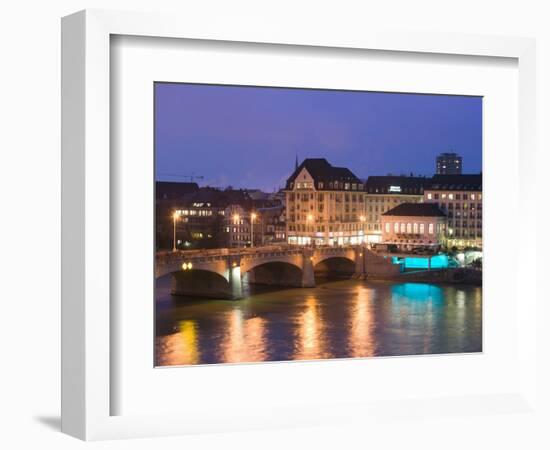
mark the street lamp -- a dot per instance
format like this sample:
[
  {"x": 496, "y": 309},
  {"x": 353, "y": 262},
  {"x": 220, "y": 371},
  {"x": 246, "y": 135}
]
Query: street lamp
[
  {"x": 175, "y": 218},
  {"x": 236, "y": 220},
  {"x": 363, "y": 220},
  {"x": 252, "y": 218}
]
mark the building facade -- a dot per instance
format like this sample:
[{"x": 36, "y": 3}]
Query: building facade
[
  {"x": 325, "y": 205},
  {"x": 386, "y": 192},
  {"x": 413, "y": 225},
  {"x": 272, "y": 222},
  {"x": 448, "y": 164},
  {"x": 460, "y": 198}
]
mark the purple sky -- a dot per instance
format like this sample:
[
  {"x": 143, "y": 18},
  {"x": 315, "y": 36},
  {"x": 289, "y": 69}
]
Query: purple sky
[{"x": 249, "y": 136}]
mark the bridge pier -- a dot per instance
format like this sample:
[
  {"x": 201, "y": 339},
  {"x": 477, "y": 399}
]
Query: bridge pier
[
  {"x": 308, "y": 275},
  {"x": 360, "y": 263},
  {"x": 235, "y": 277}
]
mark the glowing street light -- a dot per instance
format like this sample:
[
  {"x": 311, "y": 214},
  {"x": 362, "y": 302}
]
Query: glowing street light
[
  {"x": 236, "y": 219},
  {"x": 252, "y": 218},
  {"x": 175, "y": 217}
]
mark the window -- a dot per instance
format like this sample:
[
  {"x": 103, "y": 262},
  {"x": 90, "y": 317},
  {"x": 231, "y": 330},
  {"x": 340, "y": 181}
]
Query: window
[
  {"x": 409, "y": 228},
  {"x": 431, "y": 228},
  {"x": 415, "y": 228},
  {"x": 429, "y": 196},
  {"x": 421, "y": 228},
  {"x": 396, "y": 227},
  {"x": 402, "y": 228},
  {"x": 387, "y": 227},
  {"x": 450, "y": 196}
]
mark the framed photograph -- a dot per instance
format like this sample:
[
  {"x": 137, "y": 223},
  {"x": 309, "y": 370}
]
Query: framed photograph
[{"x": 266, "y": 228}]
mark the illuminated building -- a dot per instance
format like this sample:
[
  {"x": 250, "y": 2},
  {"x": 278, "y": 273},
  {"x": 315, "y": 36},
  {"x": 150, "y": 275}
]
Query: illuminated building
[
  {"x": 448, "y": 164},
  {"x": 325, "y": 205},
  {"x": 386, "y": 192},
  {"x": 460, "y": 198},
  {"x": 412, "y": 225}
]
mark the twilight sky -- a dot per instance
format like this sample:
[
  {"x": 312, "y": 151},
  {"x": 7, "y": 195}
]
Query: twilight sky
[{"x": 249, "y": 136}]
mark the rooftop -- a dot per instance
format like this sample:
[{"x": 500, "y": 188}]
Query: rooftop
[
  {"x": 464, "y": 182},
  {"x": 322, "y": 171},
  {"x": 173, "y": 189},
  {"x": 415, "y": 209},
  {"x": 396, "y": 184}
]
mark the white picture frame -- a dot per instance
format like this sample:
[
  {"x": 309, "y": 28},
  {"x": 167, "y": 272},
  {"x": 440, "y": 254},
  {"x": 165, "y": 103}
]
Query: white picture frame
[{"x": 86, "y": 221}]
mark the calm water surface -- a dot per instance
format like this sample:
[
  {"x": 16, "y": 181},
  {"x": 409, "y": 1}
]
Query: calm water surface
[{"x": 341, "y": 319}]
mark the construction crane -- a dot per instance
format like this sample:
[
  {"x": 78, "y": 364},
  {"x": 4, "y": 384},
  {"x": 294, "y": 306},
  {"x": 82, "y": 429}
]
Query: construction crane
[{"x": 190, "y": 178}]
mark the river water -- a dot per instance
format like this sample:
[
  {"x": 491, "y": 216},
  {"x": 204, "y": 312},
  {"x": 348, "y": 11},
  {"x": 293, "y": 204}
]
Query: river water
[{"x": 339, "y": 319}]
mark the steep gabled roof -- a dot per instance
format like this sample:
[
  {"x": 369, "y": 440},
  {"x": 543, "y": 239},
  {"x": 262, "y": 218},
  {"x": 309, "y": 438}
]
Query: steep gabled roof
[{"x": 321, "y": 170}]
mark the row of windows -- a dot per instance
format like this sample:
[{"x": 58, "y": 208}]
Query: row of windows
[
  {"x": 453, "y": 196},
  {"x": 393, "y": 199},
  {"x": 460, "y": 206},
  {"x": 321, "y": 197},
  {"x": 323, "y": 228},
  {"x": 411, "y": 228},
  {"x": 329, "y": 185},
  {"x": 464, "y": 224}
]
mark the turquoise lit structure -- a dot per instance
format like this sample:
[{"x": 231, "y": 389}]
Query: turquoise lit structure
[{"x": 434, "y": 262}]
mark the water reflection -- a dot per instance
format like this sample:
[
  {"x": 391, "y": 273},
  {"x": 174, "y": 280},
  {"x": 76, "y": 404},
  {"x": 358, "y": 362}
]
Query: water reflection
[
  {"x": 181, "y": 347},
  {"x": 341, "y": 319},
  {"x": 361, "y": 337},
  {"x": 244, "y": 339},
  {"x": 310, "y": 336}
]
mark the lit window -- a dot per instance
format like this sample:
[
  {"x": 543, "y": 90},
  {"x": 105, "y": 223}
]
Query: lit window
[
  {"x": 402, "y": 228},
  {"x": 431, "y": 228},
  {"x": 396, "y": 227},
  {"x": 429, "y": 196},
  {"x": 421, "y": 228},
  {"x": 415, "y": 228},
  {"x": 387, "y": 227},
  {"x": 409, "y": 228},
  {"x": 450, "y": 196}
]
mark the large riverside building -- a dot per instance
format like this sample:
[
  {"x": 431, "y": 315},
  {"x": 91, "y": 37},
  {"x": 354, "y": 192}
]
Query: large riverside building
[
  {"x": 325, "y": 205},
  {"x": 386, "y": 192},
  {"x": 411, "y": 225},
  {"x": 460, "y": 198},
  {"x": 448, "y": 164}
]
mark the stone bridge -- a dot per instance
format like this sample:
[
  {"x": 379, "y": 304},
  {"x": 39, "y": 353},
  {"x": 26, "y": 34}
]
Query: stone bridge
[{"x": 219, "y": 273}]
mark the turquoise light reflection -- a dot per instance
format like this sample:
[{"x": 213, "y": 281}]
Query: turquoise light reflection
[{"x": 417, "y": 291}]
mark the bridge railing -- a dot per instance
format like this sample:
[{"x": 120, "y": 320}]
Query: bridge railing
[{"x": 204, "y": 255}]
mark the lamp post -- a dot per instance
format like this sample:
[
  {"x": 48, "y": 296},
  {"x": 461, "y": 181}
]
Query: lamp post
[
  {"x": 252, "y": 218},
  {"x": 236, "y": 222},
  {"x": 175, "y": 219},
  {"x": 309, "y": 220},
  {"x": 363, "y": 219}
]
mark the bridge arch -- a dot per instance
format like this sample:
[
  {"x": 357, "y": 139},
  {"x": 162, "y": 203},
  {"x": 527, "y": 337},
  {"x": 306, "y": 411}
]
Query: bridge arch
[
  {"x": 335, "y": 266},
  {"x": 274, "y": 273},
  {"x": 217, "y": 267}
]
